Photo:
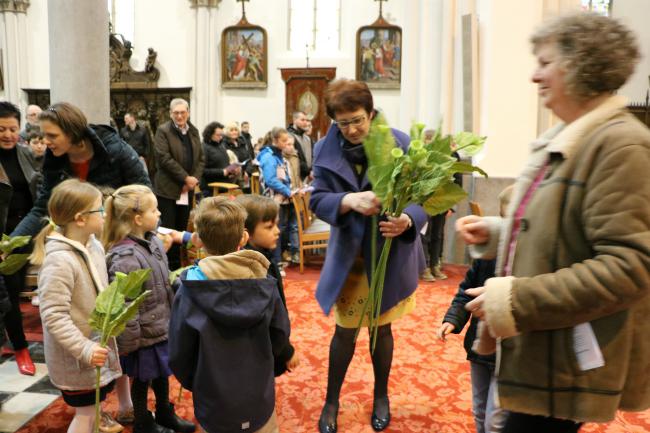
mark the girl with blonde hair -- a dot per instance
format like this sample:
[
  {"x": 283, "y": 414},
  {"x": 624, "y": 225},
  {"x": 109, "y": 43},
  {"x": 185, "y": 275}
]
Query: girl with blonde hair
[
  {"x": 73, "y": 272},
  {"x": 131, "y": 220}
]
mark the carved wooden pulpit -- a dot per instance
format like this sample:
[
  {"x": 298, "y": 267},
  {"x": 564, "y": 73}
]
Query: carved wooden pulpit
[{"x": 305, "y": 88}]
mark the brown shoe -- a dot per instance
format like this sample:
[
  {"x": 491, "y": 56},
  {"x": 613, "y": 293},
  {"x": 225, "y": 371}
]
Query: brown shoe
[
  {"x": 126, "y": 417},
  {"x": 427, "y": 275},
  {"x": 438, "y": 273},
  {"x": 108, "y": 425}
]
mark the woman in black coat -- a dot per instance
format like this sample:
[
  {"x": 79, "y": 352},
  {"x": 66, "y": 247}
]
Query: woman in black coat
[{"x": 218, "y": 167}]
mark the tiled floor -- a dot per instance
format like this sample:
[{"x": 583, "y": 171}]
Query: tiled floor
[{"x": 22, "y": 396}]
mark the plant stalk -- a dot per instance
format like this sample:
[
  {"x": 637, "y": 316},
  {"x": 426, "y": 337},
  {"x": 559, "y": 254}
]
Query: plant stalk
[{"x": 102, "y": 343}]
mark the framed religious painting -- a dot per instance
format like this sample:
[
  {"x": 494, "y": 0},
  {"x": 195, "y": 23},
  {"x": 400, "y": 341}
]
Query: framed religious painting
[
  {"x": 379, "y": 55},
  {"x": 244, "y": 56}
]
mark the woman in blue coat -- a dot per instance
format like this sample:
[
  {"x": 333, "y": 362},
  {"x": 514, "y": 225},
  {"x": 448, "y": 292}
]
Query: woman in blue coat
[{"x": 343, "y": 198}]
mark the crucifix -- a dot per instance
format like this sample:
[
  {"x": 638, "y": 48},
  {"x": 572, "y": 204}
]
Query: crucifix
[
  {"x": 243, "y": 8},
  {"x": 381, "y": 7}
]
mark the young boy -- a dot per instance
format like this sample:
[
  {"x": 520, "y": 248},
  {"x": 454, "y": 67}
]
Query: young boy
[
  {"x": 488, "y": 417},
  {"x": 227, "y": 325},
  {"x": 262, "y": 226}
]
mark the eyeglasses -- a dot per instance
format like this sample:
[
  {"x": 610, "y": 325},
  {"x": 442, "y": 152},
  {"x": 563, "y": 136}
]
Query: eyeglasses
[
  {"x": 356, "y": 122},
  {"x": 100, "y": 211}
]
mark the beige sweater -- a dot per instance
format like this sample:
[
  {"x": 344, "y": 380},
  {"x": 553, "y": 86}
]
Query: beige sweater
[{"x": 69, "y": 280}]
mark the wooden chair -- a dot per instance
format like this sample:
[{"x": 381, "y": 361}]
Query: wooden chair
[
  {"x": 255, "y": 183},
  {"x": 475, "y": 208},
  {"x": 313, "y": 233},
  {"x": 224, "y": 188}
]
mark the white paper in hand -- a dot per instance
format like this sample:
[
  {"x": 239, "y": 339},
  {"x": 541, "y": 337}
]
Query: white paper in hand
[{"x": 184, "y": 199}]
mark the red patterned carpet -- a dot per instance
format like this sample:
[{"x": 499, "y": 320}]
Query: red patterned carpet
[{"x": 429, "y": 388}]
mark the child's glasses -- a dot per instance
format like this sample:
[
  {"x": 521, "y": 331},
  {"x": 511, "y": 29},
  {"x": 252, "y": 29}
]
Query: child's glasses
[{"x": 100, "y": 211}]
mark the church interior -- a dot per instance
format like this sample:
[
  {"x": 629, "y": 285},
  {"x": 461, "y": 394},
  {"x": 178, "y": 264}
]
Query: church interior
[{"x": 259, "y": 66}]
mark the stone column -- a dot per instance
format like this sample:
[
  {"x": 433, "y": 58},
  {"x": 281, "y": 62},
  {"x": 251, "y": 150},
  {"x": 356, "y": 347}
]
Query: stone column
[
  {"x": 420, "y": 92},
  {"x": 204, "y": 91},
  {"x": 79, "y": 67},
  {"x": 12, "y": 44}
]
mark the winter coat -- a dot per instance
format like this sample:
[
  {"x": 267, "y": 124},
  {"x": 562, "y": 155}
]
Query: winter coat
[
  {"x": 29, "y": 167},
  {"x": 138, "y": 138},
  {"x": 304, "y": 147},
  {"x": 350, "y": 233},
  {"x": 244, "y": 151},
  {"x": 228, "y": 323},
  {"x": 275, "y": 174},
  {"x": 71, "y": 277},
  {"x": 151, "y": 324},
  {"x": 458, "y": 316},
  {"x": 169, "y": 155},
  {"x": 582, "y": 256},
  {"x": 216, "y": 160},
  {"x": 114, "y": 164},
  {"x": 293, "y": 163}
]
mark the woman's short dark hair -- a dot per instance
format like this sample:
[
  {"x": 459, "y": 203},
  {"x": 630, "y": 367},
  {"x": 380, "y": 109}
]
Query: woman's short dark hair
[
  {"x": 7, "y": 109},
  {"x": 343, "y": 96},
  {"x": 598, "y": 53},
  {"x": 69, "y": 118},
  {"x": 208, "y": 131}
]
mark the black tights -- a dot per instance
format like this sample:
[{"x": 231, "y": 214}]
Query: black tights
[
  {"x": 139, "y": 391},
  {"x": 341, "y": 352}
]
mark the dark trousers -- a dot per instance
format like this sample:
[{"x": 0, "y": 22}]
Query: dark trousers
[
  {"x": 434, "y": 238},
  {"x": 175, "y": 217},
  {"x": 524, "y": 423},
  {"x": 14, "y": 318}
]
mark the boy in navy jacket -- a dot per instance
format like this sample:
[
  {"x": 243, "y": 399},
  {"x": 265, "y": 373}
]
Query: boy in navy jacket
[{"x": 228, "y": 324}]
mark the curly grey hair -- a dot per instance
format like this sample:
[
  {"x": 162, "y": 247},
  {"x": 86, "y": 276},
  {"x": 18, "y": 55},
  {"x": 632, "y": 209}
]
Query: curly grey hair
[{"x": 598, "y": 53}]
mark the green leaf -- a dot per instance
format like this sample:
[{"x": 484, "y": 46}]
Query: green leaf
[
  {"x": 118, "y": 324},
  {"x": 96, "y": 320},
  {"x": 103, "y": 302},
  {"x": 173, "y": 275},
  {"x": 444, "y": 198},
  {"x": 131, "y": 285},
  {"x": 13, "y": 263},
  {"x": 465, "y": 167},
  {"x": 416, "y": 130},
  {"x": 10, "y": 243},
  {"x": 469, "y": 144},
  {"x": 379, "y": 142}
]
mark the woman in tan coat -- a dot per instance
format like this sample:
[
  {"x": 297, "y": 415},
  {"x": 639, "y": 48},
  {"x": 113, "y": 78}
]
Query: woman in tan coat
[{"x": 570, "y": 304}]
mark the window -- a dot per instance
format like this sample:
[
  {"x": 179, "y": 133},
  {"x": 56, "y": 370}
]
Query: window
[
  {"x": 314, "y": 24},
  {"x": 602, "y": 7}
]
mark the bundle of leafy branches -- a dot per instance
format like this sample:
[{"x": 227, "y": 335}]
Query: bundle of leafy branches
[
  {"x": 12, "y": 262},
  {"x": 423, "y": 175},
  {"x": 115, "y": 306}
]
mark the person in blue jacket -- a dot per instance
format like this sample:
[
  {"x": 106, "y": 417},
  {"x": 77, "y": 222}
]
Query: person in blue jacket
[{"x": 343, "y": 198}]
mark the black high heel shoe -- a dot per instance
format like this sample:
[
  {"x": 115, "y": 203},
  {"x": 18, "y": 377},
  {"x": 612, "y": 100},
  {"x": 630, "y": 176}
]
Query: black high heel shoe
[
  {"x": 326, "y": 425},
  {"x": 380, "y": 423}
]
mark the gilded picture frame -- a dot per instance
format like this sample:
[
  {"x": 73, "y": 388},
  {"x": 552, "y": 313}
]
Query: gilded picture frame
[
  {"x": 379, "y": 55},
  {"x": 244, "y": 57}
]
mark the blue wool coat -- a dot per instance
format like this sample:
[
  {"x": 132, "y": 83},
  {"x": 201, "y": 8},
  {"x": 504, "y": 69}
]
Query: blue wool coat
[{"x": 350, "y": 234}]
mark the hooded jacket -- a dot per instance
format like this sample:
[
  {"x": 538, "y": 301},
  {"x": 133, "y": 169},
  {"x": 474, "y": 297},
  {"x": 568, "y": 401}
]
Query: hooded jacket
[
  {"x": 151, "y": 323},
  {"x": 71, "y": 277},
  {"x": 228, "y": 323},
  {"x": 275, "y": 172}
]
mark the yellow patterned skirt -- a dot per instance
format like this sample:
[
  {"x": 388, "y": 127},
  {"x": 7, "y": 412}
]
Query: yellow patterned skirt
[{"x": 353, "y": 296}]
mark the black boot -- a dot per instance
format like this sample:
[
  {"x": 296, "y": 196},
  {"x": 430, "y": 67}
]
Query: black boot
[
  {"x": 148, "y": 425},
  {"x": 327, "y": 420},
  {"x": 166, "y": 417},
  {"x": 380, "y": 414}
]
